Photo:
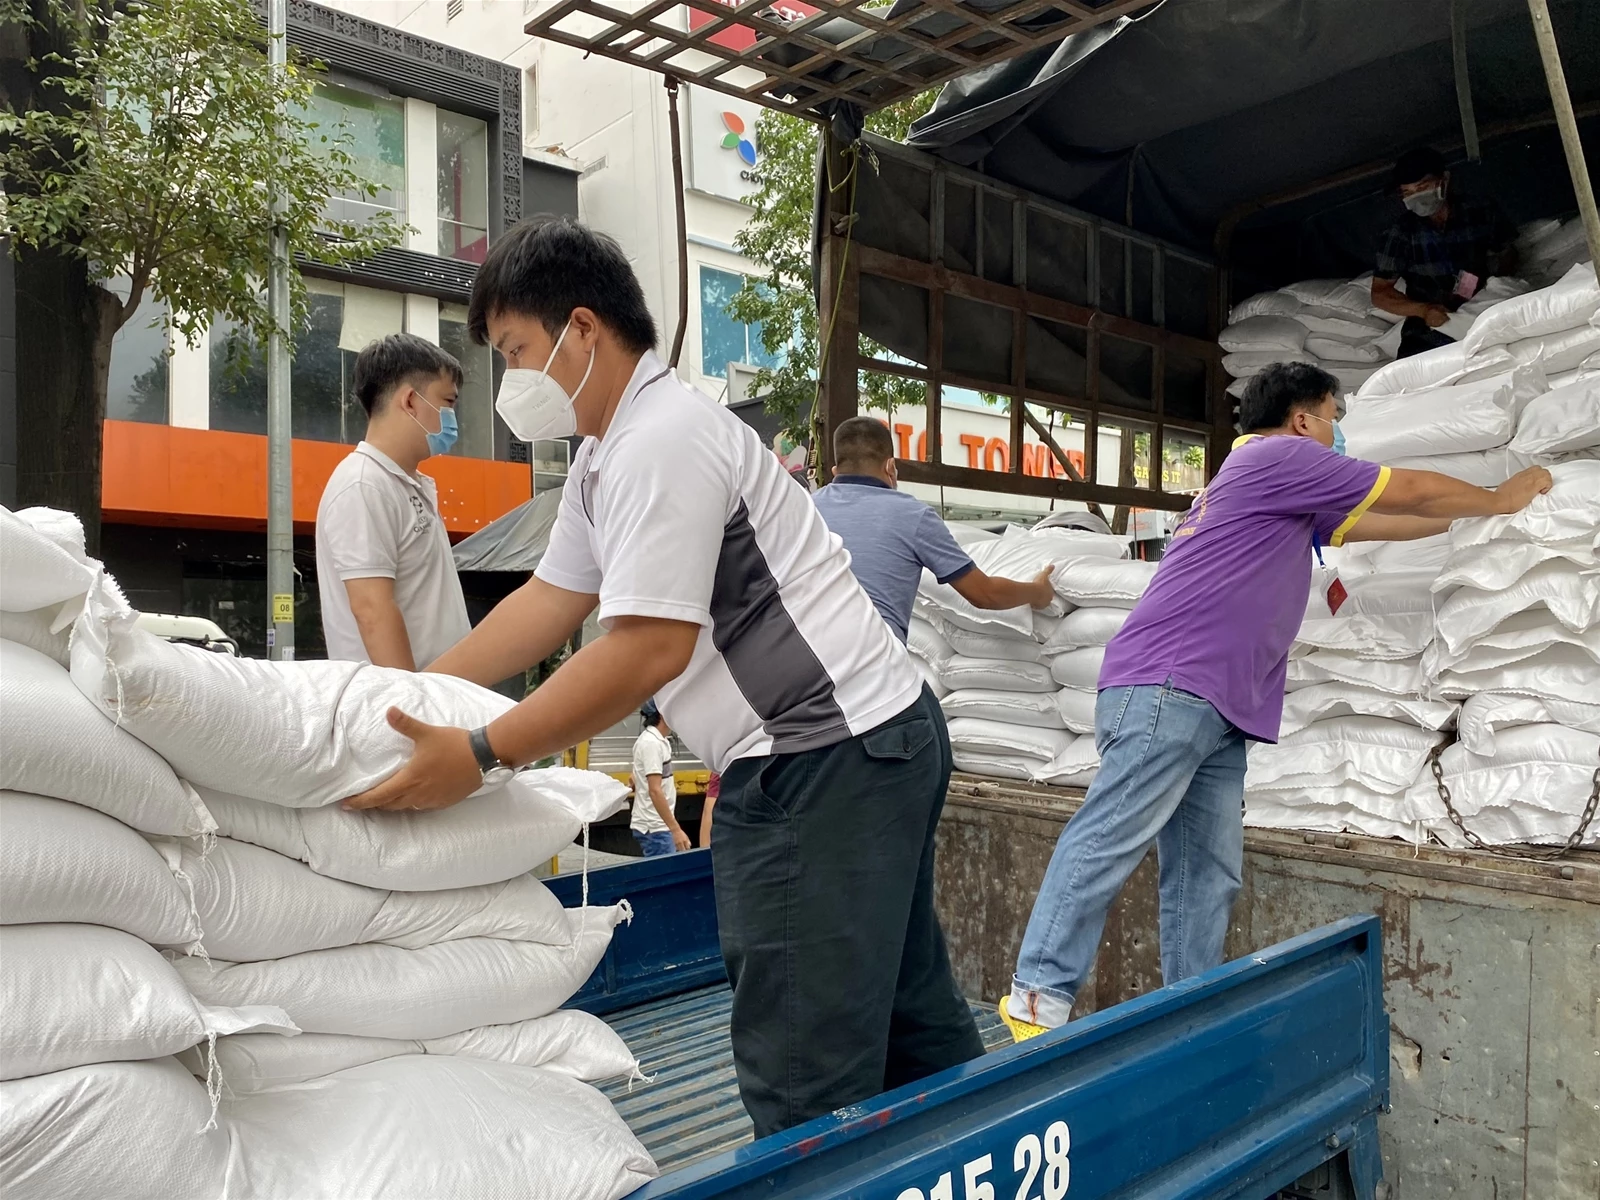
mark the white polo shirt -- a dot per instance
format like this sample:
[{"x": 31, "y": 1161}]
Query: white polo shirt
[
  {"x": 652, "y": 755},
  {"x": 680, "y": 512},
  {"x": 376, "y": 521}
]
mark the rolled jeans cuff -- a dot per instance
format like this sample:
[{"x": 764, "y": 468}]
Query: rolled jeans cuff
[{"x": 1039, "y": 1006}]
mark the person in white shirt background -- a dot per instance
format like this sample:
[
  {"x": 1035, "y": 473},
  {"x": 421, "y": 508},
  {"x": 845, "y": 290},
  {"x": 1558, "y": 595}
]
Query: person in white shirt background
[
  {"x": 654, "y": 824},
  {"x": 389, "y": 590}
]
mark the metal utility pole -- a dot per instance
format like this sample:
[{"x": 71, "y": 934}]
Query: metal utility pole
[
  {"x": 1567, "y": 122},
  {"x": 280, "y": 479}
]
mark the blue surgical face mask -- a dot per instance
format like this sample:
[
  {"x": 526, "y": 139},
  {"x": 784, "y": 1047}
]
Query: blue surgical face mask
[
  {"x": 1338, "y": 434},
  {"x": 440, "y": 443}
]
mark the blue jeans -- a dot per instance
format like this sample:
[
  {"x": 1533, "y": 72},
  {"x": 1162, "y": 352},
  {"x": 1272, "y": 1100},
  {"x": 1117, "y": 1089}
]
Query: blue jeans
[
  {"x": 1172, "y": 773},
  {"x": 654, "y": 844}
]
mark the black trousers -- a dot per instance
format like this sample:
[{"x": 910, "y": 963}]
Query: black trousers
[
  {"x": 1416, "y": 336},
  {"x": 824, "y": 879}
]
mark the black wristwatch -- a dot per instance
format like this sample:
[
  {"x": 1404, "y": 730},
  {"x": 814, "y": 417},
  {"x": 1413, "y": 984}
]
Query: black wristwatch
[{"x": 493, "y": 770}]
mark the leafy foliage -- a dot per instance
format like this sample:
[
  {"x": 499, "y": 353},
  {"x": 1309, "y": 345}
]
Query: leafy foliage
[
  {"x": 778, "y": 238},
  {"x": 161, "y": 163}
]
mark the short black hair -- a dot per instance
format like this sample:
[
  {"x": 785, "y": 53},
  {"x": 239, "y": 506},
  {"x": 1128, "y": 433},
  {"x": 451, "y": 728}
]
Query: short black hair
[
  {"x": 1415, "y": 164},
  {"x": 862, "y": 440},
  {"x": 547, "y": 266},
  {"x": 396, "y": 359},
  {"x": 649, "y": 714},
  {"x": 1272, "y": 396}
]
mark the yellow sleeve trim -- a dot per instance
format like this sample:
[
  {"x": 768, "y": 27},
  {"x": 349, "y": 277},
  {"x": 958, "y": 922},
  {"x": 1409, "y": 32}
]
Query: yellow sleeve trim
[
  {"x": 1242, "y": 439},
  {"x": 1360, "y": 510}
]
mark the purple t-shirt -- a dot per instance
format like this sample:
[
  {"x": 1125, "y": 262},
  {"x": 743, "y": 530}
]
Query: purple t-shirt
[{"x": 1229, "y": 596}]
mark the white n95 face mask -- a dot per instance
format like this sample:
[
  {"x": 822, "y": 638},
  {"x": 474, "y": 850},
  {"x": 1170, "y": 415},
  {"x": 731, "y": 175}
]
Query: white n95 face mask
[{"x": 536, "y": 407}]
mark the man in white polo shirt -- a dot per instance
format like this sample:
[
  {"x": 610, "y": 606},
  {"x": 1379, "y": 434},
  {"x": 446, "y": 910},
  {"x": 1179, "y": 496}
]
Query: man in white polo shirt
[
  {"x": 389, "y": 590},
  {"x": 723, "y": 595}
]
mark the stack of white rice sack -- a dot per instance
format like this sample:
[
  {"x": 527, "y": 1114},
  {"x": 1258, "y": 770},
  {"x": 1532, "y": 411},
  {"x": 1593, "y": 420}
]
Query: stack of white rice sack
[
  {"x": 1328, "y": 322},
  {"x": 1357, "y": 726},
  {"x": 1018, "y": 686},
  {"x": 1333, "y": 324},
  {"x": 372, "y": 995},
  {"x": 1518, "y": 639}
]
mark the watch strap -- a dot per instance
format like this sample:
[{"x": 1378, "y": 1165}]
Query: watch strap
[{"x": 488, "y": 760}]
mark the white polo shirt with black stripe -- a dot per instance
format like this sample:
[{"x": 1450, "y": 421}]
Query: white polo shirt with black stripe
[{"x": 680, "y": 512}]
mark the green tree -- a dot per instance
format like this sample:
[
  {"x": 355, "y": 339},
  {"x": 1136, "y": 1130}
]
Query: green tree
[
  {"x": 144, "y": 140},
  {"x": 778, "y": 238}
]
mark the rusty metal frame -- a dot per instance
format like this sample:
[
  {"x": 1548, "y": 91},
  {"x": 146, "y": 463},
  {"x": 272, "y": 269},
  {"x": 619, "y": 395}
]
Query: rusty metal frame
[
  {"x": 844, "y": 261},
  {"x": 880, "y": 59}
]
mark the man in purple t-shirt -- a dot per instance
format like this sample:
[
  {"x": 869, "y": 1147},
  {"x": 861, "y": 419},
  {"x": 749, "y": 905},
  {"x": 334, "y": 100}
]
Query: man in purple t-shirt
[{"x": 1198, "y": 671}]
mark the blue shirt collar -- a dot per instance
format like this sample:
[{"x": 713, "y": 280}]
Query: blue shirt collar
[{"x": 862, "y": 481}]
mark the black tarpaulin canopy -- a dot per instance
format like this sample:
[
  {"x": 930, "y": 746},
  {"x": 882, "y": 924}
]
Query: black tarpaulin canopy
[{"x": 1207, "y": 113}]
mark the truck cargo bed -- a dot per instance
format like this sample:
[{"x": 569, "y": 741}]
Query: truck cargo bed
[{"x": 689, "y": 1109}]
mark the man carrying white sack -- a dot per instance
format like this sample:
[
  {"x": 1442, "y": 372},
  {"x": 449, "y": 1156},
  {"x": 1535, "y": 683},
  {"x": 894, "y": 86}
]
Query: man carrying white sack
[
  {"x": 725, "y": 597},
  {"x": 893, "y": 537},
  {"x": 389, "y": 590},
  {"x": 1198, "y": 671}
]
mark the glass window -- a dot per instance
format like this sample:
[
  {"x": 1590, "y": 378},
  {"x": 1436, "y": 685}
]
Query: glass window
[
  {"x": 475, "y": 401},
  {"x": 463, "y": 187},
  {"x": 722, "y": 339},
  {"x": 322, "y": 402},
  {"x": 136, "y": 389},
  {"x": 373, "y": 130}
]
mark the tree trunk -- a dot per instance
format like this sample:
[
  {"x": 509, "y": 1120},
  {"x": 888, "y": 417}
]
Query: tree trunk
[
  {"x": 65, "y": 322},
  {"x": 64, "y": 328}
]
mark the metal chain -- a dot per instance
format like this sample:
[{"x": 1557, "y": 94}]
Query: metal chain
[{"x": 1474, "y": 840}]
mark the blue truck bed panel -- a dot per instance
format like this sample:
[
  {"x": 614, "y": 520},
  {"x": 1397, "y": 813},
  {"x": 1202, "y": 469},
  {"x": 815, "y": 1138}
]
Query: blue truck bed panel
[{"x": 1228, "y": 1086}]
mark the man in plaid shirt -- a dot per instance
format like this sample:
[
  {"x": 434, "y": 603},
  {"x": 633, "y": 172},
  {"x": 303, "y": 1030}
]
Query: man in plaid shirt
[{"x": 1445, "y": 247}]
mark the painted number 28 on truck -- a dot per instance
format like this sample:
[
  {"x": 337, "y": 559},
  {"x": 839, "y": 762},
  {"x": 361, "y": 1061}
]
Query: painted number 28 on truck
[{"x": 1042, "y": 1168}]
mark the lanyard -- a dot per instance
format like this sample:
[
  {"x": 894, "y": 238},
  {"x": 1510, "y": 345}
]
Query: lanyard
[{"x": 1316, "y": 546}]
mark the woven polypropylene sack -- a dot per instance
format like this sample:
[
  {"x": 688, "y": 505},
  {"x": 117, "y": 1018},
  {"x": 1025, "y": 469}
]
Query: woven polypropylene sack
[
  {"x": 1261, "y": 333},
  {"x": 975, "y": 735},
  {"x": 35, "y": 631},
  {"x": 1376, "y": 637},
  {"x": 924, "y": 640},
  {"x": 1322, "y": 701},
  {"x": 1569, "y": 593},
  {"x": 1091, "y": 626},
  {"x": 1569, "y": 513},
  {"x": 1441, "y": 367},
  {"x": 1446, "y": 420},
  {"x": 433, "y": 991},
  {"x": 1398, "y": 677},
  {"x": 424, "y": 1126},
  {"x": 1014, "y": 708},
  {"x": 992, "y": 645},
  {"x": 1380, "y": 754},
  {"x": 59, "y": 744},
  {"x": 486, "y": 839},
  {"x": 1533, "y": 786},
  {"x": 576, "y": 1044},
  {"x": 1561, "y": 420},
  {"x": 1557, "y": 353},
  {"x": 1000, "y": 674},
  {"x": 1076, "y": 706},
  {"x": 995, "y": 765},
  {"x": 1485, "y": 714},
  {"x": 1103, "y": 584},
  {"x": 61, "y": 862},
  {"x": 1570, "y": 302},
  {"x": 1078, "y": 668},
  {"x": 77, "y": 994},
  {"x": 128, "y": 1130},
  {"x": 1481, "y": 468},
  {"x": 302, "y": 734},
  {"x": 255, "y": 904},
  {"x": 36, "y": 570}
]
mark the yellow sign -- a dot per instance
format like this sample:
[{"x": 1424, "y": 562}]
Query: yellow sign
[{"x": 283, "y": 609}]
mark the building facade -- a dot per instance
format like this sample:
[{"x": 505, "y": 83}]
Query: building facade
[{"x": 439, "y": 130}]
